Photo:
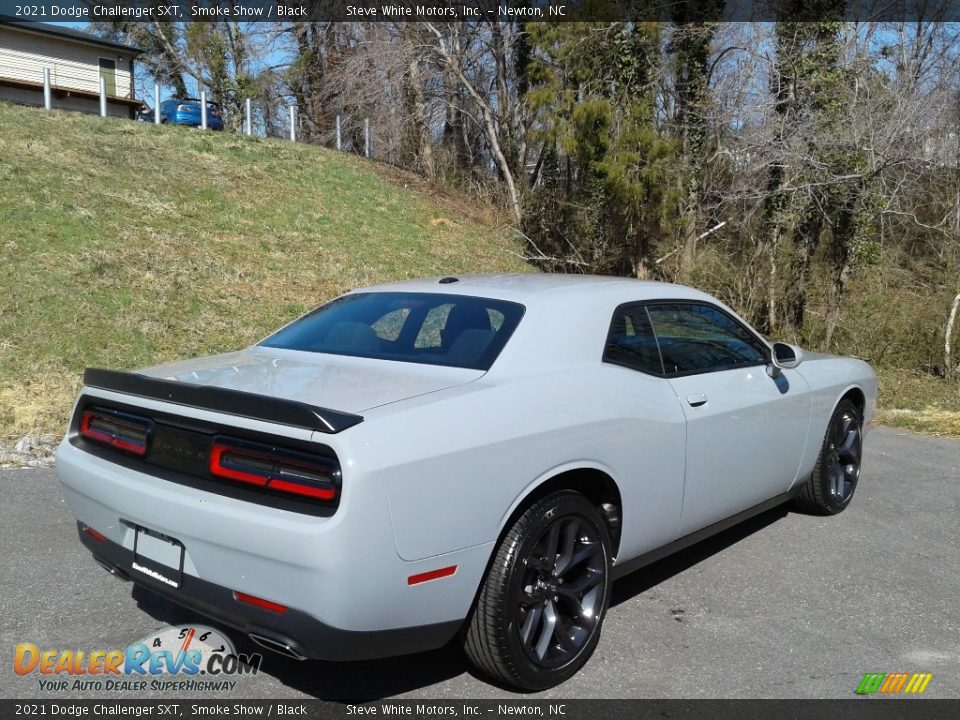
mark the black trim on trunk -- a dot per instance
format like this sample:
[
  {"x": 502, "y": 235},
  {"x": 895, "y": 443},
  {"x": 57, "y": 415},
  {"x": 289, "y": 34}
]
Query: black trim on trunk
[
  {"x": 231, "y": 402},
  {"x": 303, "y": 633}
]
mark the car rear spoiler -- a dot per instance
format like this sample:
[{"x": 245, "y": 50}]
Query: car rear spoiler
[{"x": 231, "y": 402}]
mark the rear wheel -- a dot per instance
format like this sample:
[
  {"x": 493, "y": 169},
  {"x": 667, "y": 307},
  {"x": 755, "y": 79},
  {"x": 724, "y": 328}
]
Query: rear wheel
[
  {"x": 539, "y": 612},
  {"x": 834, "y": 479}
]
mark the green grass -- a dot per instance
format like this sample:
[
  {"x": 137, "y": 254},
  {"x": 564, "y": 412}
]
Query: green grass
[{"x": 125, "y": 245}]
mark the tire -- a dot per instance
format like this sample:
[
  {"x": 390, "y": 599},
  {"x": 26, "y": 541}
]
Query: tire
[
  {"x": 538, "y": 615},
  {"x": 830, "y": 487}
]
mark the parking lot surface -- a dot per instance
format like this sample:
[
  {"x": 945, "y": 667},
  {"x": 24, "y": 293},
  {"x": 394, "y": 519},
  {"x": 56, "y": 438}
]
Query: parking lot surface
[{"x": 784, "y": 605}]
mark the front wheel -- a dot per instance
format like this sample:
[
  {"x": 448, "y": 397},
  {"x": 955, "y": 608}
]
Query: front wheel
[
  {"x": 538, "y": 615},
  {"x": 834, "y": 479}
]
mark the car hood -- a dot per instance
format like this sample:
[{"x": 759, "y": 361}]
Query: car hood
[{"x": 348, "y": 384}]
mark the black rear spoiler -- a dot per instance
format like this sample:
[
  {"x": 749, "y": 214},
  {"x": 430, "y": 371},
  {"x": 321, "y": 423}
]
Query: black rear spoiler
[{"x": 231, "y": 402}]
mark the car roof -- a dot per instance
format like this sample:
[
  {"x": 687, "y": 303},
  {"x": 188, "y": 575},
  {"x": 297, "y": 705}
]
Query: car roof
[{"x": 529, "y": 288}]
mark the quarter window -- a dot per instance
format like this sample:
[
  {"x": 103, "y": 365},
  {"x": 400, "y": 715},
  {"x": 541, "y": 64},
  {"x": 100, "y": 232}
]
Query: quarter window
[
  {"x": 631, "y": 341},
  {"x": 699, "y": 338}
]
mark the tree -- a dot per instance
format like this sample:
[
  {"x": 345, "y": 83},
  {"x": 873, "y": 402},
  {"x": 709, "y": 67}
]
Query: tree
[{"x": 605, "y": 197}]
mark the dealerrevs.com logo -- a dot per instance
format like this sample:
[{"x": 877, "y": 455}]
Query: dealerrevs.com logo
[
  {"x": 182, "y": 658},
  {"x": 894, "y": 683}
]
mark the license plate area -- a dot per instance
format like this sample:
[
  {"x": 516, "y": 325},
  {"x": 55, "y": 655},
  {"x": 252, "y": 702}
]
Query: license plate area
[{"x": 158, "y": 556}]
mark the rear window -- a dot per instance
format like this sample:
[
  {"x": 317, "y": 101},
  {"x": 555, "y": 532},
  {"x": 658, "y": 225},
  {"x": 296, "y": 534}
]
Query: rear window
[{"x": 428, "y": 328}]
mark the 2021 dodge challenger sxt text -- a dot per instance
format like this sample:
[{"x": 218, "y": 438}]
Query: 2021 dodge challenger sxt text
[{"x": 475, "y": 455}]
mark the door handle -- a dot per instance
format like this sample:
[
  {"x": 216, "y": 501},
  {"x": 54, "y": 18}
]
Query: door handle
[{"x": 696, "y": 399}]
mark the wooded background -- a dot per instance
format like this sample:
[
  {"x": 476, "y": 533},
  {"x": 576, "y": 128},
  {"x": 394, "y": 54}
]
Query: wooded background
[{"x": 807, "y": 173}]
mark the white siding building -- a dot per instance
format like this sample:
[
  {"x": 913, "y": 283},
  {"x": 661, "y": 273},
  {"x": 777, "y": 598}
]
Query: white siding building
[{"x": 76, "y": 60}]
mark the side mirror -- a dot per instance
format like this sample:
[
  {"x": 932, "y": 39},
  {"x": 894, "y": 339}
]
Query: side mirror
[{"x": 786, "y": 356}]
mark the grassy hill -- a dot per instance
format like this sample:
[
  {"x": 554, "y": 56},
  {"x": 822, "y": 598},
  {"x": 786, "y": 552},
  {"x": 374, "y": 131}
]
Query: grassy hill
[{"x": 124, "y": 245}]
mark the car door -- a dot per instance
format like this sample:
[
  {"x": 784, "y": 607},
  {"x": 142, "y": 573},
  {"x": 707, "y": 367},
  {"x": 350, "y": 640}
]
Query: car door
[
  {"x": 653, "y": 434},
  {"x": 746, "y": 430}
]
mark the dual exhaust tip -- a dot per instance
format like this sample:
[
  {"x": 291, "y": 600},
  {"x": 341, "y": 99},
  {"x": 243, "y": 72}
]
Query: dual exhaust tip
[{"x": 276, "y": 645}]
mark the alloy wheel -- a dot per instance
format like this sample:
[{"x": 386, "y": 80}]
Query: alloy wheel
[
  {"x": 843, "y": 455},
  {"x": 563, "y": 592}
]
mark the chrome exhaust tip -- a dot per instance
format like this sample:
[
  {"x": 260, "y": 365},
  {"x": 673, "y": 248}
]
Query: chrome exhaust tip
[
  {"x": 277, "y": 646},
  {"x": 112, "y": 569}
]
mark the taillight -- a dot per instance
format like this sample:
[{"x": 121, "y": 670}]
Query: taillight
[
  {"x": 122, "y": 431},
  {"x": 285, "y": 471}
]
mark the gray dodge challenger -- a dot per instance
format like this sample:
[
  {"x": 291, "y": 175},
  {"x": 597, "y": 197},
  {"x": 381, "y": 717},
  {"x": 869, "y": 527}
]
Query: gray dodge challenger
[{"x": 470, "y": 459}]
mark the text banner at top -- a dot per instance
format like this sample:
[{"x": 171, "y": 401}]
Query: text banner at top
[{"x": 478, "y": 10}]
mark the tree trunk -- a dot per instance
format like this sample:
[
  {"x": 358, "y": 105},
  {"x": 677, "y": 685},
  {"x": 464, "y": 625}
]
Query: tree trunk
[
  {"x": 835, "y": 303},
  {"x": 491, "y": 128},
  {"x": 421, "y": 120},
  {"x": 950, "y": 369}
]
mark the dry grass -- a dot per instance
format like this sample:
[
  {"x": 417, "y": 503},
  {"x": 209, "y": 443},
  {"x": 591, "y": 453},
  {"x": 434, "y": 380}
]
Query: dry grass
[
  {"x": 919, "y": 402},
  {"x": 125, "y": 245}
]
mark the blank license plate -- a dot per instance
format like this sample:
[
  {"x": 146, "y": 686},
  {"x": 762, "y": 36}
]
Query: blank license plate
[{"x": 158, "y": 556}]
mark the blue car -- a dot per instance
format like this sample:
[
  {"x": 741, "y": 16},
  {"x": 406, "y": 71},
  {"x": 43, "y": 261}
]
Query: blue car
[{"x": 187, "y": 112}]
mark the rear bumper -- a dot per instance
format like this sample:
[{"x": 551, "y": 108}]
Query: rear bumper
[
  {"x": 346, "y": 590},
  {"x": 302, "y": 634}
]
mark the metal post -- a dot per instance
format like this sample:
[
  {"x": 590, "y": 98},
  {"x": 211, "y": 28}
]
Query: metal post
[
  {"x": 47, "y": 99},
  {"x": 103, "y": 97},
  {"x": 248, "y": 123},
  {"x": 366, "y": 137},
  {"x": 156, "y": 103},
  {"x": 338, "y": 132},
  {"x": 203, "y": 109},
  {"x": 293, "y": 123}
]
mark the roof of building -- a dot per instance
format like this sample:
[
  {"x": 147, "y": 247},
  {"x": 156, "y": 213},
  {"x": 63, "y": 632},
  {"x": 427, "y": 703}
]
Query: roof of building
[{"x": 68, "y": 33}]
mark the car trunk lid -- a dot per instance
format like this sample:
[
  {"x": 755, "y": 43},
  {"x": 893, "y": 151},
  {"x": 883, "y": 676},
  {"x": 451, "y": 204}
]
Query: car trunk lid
[{"x": 347, "y": 384}]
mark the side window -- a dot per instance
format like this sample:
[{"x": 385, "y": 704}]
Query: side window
[
  {"x": 631, "y": 341},
  {"x": 700, "y": 338}
]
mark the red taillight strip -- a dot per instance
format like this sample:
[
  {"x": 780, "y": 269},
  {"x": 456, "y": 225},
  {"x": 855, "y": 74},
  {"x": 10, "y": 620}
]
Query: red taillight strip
[
  {"x": 259, "y": 602},
  {"x": 431, "y": 575},
  {"x": 116, "y": 438},
  {"x": 307, "y": 490},
  {"x": 94, "y": 534},
  {"x": 220, "y": 470},
  {"x": 225, "y": 458}
]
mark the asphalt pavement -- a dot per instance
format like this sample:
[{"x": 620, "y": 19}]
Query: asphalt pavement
[{"x": 782, "y": 606}]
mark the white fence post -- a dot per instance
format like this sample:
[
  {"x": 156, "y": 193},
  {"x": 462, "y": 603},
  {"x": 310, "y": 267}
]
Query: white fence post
[
  {"x": 156, "y": 103},
  {"x": 366, "y": 137},
  {"x": 293, "y": 123},
  {"x": 47, "y": 98},
  {"x": 248, "y": 121},
  {"x": 338, "y": 132},
  {"x": 103, "y": 97},
  {"x": 203, "y": 109}
]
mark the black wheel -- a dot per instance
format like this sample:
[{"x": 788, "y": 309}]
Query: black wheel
[
  {"x": 538, "y": 615},
  {"x": 834, "y": 478}
]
